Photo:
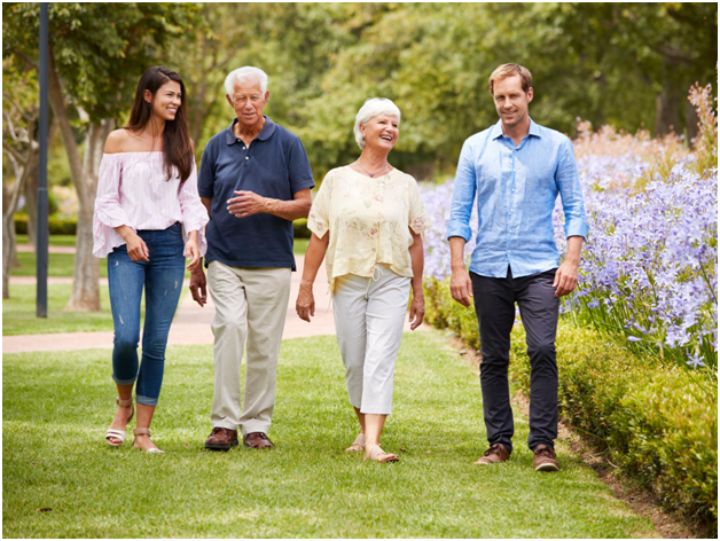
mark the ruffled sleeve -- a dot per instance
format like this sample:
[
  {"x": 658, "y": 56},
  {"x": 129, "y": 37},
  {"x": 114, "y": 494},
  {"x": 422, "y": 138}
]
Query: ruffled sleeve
[
  {"x": 194, "y": 213},
  {"x": 319, "y": 216},
  {"x": 417, "y": 218},
  {"x": 108, "y": 213}
]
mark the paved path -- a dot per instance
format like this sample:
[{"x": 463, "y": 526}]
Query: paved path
[{"x": 191, "y": 324}]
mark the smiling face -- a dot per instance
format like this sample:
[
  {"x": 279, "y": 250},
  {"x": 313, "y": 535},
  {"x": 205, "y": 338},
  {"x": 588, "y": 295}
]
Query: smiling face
[
  {"x": 511, "y": 101},
  {"x": 248, "y": 102},
  {"x": 381, "y": 131},
  {"x": 166, "y": 101}
]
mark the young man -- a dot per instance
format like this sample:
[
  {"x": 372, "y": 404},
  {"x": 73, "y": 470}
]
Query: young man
[{"x": 514, "y": 171}]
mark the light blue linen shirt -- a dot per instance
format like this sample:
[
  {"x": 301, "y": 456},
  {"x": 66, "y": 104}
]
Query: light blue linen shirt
[{"x": 516, "y": 188}]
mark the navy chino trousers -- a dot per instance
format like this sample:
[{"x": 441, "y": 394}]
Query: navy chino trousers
[{"x": 495, "y": 300}]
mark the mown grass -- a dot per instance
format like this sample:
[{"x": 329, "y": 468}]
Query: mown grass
[
  {"x": 19, "y": 312},
  {"x": 61, "y": 480},
  {"x": 54, "y": 240},
  {"x": 58, "y": 265}
]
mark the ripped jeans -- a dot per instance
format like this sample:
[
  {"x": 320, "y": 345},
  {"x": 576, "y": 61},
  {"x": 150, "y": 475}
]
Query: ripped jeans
[{"x": 162, "y": 278}]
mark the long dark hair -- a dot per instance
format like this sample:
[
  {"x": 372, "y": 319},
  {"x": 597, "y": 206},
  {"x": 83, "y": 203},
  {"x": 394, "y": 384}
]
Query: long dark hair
[{"x": 177, "y": 148}]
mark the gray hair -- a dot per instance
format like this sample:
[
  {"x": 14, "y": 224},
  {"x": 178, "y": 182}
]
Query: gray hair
[
  {"x": 370, "y": 109},
  {"x": 243, "y": 74}
]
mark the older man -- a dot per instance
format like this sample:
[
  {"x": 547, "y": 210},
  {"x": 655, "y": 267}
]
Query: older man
[
  {"x": 514, "y": 170},
  {"x": 254, "y": 179}
]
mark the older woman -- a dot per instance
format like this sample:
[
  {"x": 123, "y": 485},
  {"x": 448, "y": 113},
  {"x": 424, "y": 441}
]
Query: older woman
[{"x": 367, "y": 217}]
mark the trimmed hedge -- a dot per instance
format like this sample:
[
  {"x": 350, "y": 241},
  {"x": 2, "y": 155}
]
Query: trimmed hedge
[
  {"x": 56, "y": 225},
  {"x": 659, "y": 421}
]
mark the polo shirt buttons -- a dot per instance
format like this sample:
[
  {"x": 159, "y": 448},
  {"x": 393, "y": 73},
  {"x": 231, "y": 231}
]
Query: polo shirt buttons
[{"x": 247, "y": 157}]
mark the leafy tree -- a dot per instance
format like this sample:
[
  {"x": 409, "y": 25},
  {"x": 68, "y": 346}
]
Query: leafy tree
[{"x": 97, "y": 53}]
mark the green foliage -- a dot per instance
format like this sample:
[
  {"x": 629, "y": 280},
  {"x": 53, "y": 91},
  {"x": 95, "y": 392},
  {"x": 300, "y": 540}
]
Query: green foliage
[
  {"x": 658, "y": 421},
  {"x": 300, "y": 229},
  {"x": 57, "y": 225},
  {"x": 56, "y": 406}
]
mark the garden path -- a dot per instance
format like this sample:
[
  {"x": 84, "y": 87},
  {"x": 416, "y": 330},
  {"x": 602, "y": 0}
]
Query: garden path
[{"x": 191, "y": 324}]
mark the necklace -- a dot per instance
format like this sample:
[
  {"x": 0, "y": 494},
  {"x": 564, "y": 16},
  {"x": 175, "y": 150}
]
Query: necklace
[{"x": 386, "y": 168}]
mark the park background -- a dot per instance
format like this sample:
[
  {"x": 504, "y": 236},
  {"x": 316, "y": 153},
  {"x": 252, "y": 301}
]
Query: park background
[{"x": 637, "y": 344}]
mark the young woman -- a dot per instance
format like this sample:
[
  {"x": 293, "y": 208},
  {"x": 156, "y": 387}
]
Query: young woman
[{"x": 148, "y": 218}]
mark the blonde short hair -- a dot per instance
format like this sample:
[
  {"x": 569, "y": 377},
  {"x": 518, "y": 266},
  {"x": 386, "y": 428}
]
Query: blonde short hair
[
  {"x": 370, "y": 109},
  {"x": 508, "y": 70}
]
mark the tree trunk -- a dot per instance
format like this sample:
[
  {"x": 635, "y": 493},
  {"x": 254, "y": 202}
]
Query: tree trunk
[
  {"x": 11, "y": 196},
  {"x": 30, "y": 192},
  {"x": 85, "y": 291}
]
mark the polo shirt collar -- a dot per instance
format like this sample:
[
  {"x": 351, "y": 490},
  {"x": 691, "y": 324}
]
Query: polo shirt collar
[
  {"x": 264, "y": 135},
  {"x": 496, "y": 130}
]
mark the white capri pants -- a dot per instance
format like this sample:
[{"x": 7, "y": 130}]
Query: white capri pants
[{"x": 369, "y": 319}]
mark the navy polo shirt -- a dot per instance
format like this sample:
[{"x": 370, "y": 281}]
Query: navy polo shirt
[{"x": 274, "y": 165}]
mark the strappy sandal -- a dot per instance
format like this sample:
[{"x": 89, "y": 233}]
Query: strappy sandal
[
  {"x": 358, "y": 445},
  {"x": 145, "y": 432},
  {"x": 375, "y": 452},
  {"x": 118, "y": 434}
]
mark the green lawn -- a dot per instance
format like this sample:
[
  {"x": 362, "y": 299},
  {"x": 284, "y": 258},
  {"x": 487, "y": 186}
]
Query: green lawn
[
  {"x": 61, "y": 480},
  {"x": 58, "y": 265},
  {"x": 64, "y": 264},
  {"x": 19, "y": 312},
  {"x": 55, "y": 240}
]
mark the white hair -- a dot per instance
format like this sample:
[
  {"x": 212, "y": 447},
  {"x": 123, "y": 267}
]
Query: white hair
[
  {"x": 370, "y": 109},
  {"x": 243, "y": 74}
]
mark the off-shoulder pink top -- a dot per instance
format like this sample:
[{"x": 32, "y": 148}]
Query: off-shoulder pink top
[{"x": 133, "y": 190}]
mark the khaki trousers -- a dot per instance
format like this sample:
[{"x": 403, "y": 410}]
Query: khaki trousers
[{"x": 250, "y": 307}]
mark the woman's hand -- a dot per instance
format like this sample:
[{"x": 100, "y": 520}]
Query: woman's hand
[
  {"x": 136, "y": 248},
  {"x": 192, "y": 251},
  {"x": 305, "y": 305},
  {"x": 417, "y": 310}
]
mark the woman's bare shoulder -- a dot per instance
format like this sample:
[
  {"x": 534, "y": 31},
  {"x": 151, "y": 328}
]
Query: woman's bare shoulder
[{"x": 119, "y": 140}]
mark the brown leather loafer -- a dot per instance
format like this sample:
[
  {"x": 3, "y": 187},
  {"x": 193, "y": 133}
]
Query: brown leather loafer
[
  {"x": 494, "y": 455},
  {"x": 257, "y": 440},
  {"x": 544, "y": 458},
  {"x": 221, "y": 439}
]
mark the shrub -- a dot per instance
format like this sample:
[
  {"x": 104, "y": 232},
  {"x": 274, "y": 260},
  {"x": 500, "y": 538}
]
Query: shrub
[
  {"x": 300, "y": 229},
  {"x": 658, "y": 420},
  {"x": 57, "y": 225}
]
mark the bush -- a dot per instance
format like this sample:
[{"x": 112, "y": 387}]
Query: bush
[
  {"x": 300, "y": 229},
  {"x": 57, "y": 225},
  {"x": 658, "y": 420}
]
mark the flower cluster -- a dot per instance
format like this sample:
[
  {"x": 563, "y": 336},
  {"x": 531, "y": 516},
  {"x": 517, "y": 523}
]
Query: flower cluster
[{"x": 649, "y": 268}]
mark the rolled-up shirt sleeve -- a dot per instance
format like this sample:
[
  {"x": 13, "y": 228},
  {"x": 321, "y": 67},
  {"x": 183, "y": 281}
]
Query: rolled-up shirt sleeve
[
  {"x": 568, "y": 183},
  {"x": 194, "y": 213},
  {"x": 319, "y": 216},
  {"x": 463, "y": 195}
]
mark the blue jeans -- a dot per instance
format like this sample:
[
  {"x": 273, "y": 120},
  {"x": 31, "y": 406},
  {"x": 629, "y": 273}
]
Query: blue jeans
[{"x": 162, "y": 278}]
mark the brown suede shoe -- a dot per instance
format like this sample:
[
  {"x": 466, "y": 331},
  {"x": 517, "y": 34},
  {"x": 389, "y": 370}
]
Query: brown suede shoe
[
  {"x": 494, "y": 455},
  {"x": 221, "y": 439},
  {"x": 257, "y": 440},
  {"x": 544, "y": 458}
]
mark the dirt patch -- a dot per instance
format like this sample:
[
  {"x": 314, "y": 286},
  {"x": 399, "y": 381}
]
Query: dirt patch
[{"x": 640, "y": 500}]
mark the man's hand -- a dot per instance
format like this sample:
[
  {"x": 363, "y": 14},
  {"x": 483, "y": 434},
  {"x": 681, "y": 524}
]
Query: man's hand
[
  {"x": 198, "y": 286},
  {"x": 565, "y": 278},
  {"x": 246, "y": 203},
  {"x": 305, "y": 305},
  {"x": 417, "y": 311},
  {"x": 461, "y": 286}
]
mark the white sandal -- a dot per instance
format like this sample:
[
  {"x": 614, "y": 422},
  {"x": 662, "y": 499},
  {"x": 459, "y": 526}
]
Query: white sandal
[
  {"x": 358, "y": 445},
  {"x": 375, "y": 452},
  {"x": 118, "y": 434},
  {"x": 146, "y": 432}
]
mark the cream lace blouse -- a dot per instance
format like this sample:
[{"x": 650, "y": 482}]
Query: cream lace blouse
[{"x": 369, "y": 221}]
